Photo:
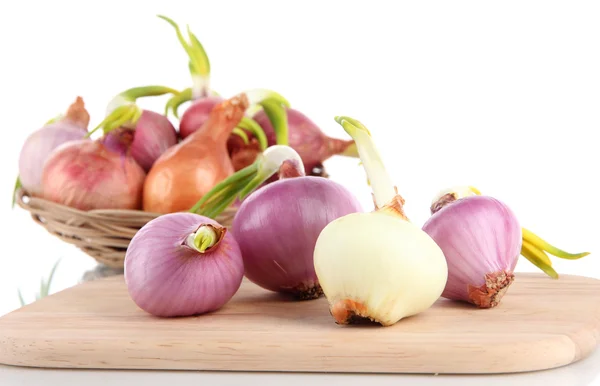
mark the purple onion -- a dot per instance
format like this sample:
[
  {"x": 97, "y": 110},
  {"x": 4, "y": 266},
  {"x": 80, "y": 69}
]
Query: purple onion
[
  {"x": 481, "y": 239},
  {"x": 307, "y": 139},
  {"x": 168, "y": 276},
  {"x": 277, "y": 228},
  {"x": 153, "y": 135},
  {"x": 40, "y": 144}
]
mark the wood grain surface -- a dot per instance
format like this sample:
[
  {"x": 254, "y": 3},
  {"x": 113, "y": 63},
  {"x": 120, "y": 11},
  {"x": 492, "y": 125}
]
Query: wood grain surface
[{"x": 542, "y": 323}]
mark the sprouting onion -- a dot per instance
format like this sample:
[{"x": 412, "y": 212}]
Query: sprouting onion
[
  {"x": 153, "y": 133},
  {"x": 204, "y": 100},
  {"x": 277, "y": 226},
  {"x": 534, "y": 248},
  {"x": 378, "y": 265},
  {"x": 182, "y": 264}
]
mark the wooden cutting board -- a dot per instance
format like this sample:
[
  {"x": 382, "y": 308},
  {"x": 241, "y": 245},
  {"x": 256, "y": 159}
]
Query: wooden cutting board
[{"x": 542, "y": 323}]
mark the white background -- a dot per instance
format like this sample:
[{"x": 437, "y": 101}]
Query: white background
[{"x": 501, "y": 95}]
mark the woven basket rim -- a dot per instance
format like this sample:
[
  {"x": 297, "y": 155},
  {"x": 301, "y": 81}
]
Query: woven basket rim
[
  {"x": 104, "y": 214},
  {"x": 103, "y": 234}
]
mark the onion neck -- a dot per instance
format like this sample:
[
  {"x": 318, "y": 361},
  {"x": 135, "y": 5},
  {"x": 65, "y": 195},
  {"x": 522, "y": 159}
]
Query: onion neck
[
  {"x": 243, "y": 182},
  {"x": 350, "y": 151},
  {"x": 206, "y": 238},
  {"x": 200, "y": 86},
  {"x": 77, "y": 114},
  {"x": 222, "y": 120},
  {"x": 448, "y": 196},
  {"x": 385, "y": 194}
]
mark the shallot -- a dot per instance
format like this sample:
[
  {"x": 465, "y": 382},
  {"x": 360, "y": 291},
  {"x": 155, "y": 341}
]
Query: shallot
[
  {"x": 182, "y": 264},
  {"x": 481, "y": 239},
  {"x": 99, "y": 174},
  {"x": 377, "y": 265},
  {"x": 533, "y": 248},
  {"x": 39, "y": 145}
]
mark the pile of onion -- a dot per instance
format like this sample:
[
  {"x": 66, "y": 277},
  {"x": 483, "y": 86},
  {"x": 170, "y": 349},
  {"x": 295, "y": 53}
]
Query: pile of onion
[
  {"x": 277, "y": 226},
  {"x": 304, "y": 135},
  {"x": 191, "y": 168}
]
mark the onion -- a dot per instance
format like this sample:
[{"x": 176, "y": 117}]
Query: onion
[
  {"x": 307, "y": 139},
  {"x": 377, "y": 266},
  {"x": 481, "y": 239},
  {"x": 152, "y": 133},
  {"x": 204, "y": 99},
  {"x": 188, "y": 170},
  {"x": 96, "y": 174},
  {"x": 533, "y": 248},
  {"x": 278, "y": 225},
  {"x": 39, "y": 145},
  {"x": 182, "y": 264}
]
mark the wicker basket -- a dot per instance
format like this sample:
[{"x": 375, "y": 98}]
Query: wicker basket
[{"x": 102, "y": 234}]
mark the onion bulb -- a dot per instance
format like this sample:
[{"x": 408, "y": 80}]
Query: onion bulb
[
  {"x": 152, "y": 132},
  {"x": 481, "y": 239},
  {"x": 377, "y": 265},
  {"x": 533, "y": 248},
  {"x": 182, "y": 264},
  {"x": 39, "y": 145},
  {"x": 96, "y": 174},
  {"x": 277, "y": 226}
]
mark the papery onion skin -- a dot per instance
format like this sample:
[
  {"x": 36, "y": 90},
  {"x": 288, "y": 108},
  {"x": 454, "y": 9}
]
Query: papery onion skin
[
  {"x": 481, "y": 239},
  {"x": 190, "y": 169},
  {"x": 40, "y": 144},
  {"x": 90, "y": 175},
  {"x": 196, "y": 114},
  {"x": 305, "y": 137},
  {"x": 277, "y": 228},
  {"x": 167, "y": 278}
]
